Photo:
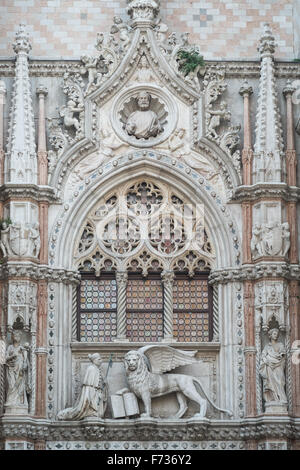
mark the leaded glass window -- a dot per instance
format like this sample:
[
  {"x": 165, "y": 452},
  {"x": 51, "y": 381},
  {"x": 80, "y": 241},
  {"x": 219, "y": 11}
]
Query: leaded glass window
[
  {"x": 192, "y": 308},
  {"x": 97, "y": 315},
  {"x": 144, "y": 308}
]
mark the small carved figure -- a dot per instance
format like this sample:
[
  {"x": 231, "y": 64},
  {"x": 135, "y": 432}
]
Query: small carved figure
[
  {"x": 178, "y": 146},
  {"x": 5, "y": 230},
  {"x": 108, "y": 144},
  {"x": 271, "y": 369},
  {"x": 93, "y": 398},
  {"x": 123, "y": 29},
  {"x": 94, "y": 77},
  {"x": 144, "y": 370},
  {"x": 143, "y": 123},
  {"x": 286, "y": 238},
  {"x": 17, "y": 372},
  {"x": 67, "y": 112},
  {"x": 35, "y": 241},
  {"x": 214, "y": 118}
]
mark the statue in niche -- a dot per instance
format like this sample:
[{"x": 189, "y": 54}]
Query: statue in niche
[
  {"x": 146, "y": 379},
  {"x": 143, "y": 123},
  {"x": 93, "y": 398},
  {"x": 271, "y": 369},
  {"x": 67, "y": 112},
  {"x": 17, "y": 372}
]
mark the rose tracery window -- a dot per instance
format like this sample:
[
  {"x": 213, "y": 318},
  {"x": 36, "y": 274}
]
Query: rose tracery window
[{"x": 135, "y": 246}]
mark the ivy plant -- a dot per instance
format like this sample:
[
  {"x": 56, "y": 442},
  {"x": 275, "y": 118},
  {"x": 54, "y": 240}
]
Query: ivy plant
[{"x": 188, "y": 61}]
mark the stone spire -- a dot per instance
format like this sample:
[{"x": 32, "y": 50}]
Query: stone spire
[
  {"x": 21, "y": 159},
  {"x": 268, "y": 148},
  {"x": 143, "y": 12}
]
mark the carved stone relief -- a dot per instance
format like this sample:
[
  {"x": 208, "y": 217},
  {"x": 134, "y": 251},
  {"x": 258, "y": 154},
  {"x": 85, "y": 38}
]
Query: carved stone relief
[
  {"x": 270, "y": 239},
  {"x": 19, "y": 239},
  {"x": 144, "y": 116}
]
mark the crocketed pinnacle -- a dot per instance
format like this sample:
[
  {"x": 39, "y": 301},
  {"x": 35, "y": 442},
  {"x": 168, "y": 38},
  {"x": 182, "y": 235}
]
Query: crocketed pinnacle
[
  {"x": 268, "y": 146},
  {"x": 21, "y": 159}
]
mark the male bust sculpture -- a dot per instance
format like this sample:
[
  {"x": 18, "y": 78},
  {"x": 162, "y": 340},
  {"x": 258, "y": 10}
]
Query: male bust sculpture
[{"x": 143, "y": 123}]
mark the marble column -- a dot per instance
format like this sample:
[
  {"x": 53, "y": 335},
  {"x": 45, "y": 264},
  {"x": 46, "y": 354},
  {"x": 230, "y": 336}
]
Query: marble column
[
  {"x": 247, "y": 153},
  {"x": 291, "y": 158},
  {"x": 121, "y": 278},
  {"x": 42, "y": 148},
  {"x": 41, "y": 349},
  {"x": 167, "y": 279},
  {"x": 294, "y": 305},
  {"x": 2, "y": 103},
  {"x": 250, "y": 350}
]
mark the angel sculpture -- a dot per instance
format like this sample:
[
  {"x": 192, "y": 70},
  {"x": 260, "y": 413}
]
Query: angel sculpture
[{"x": 144, "y": 371}]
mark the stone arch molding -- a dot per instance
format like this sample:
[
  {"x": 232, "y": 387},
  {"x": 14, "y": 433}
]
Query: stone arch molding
[
  {"x": 69, "y": 151},
  {"x": 72, "y": 218}
]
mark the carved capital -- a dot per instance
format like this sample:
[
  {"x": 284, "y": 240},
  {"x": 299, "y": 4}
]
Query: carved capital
[
  {"x": 122, "y": 277},
  {"x": 167, "y": 277},
  {"x": 41, "y": 90},
  {"x": 246, "y": 89},
  {"x": 288, "y": 89}
]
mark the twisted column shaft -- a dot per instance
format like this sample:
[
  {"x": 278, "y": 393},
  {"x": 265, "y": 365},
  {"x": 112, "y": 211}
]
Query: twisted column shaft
[
  {"x": 121, "y": 278},
  {"x": 168, "y": 279}
]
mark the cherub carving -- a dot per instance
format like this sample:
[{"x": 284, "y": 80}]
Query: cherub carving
[
  {"x": 90, "y": 66},
  {"x": 145, "y": 374},
  {"x": 214, "y": 118},
  {"x": 67, "y": 112},
  {"x": 123, "y": 29}
]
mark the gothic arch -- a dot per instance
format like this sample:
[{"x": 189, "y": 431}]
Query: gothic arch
[{"x": 218, "y": 218}]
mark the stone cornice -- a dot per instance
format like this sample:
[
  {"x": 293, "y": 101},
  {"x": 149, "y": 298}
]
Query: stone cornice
[
  {"x": 38, "y": 272},
  {"x": 30, "y": 191},
  {"x": 255, "y": 272},
  {"x": 124, "y": 346},
  {"x": 40, "y": 67},
  {"x": 143, "y": 429},
  {"x": 266, "y": 190}
]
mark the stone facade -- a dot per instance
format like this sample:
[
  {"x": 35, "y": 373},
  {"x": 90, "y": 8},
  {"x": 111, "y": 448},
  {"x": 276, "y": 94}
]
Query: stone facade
[{"x": 149, "y": 225}]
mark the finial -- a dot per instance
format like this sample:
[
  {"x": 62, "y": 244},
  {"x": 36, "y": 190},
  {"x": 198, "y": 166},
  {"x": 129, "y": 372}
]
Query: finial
[
  {"x": 22, "y": 43},
  {"x": 143, "y": 11},
  {"x": 267, "y": 44}
]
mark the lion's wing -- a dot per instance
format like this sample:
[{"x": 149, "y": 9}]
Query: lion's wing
[{"x": 165, "y": 358}]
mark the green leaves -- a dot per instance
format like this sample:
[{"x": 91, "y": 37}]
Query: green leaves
[{"x": 189, "y": 61}]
